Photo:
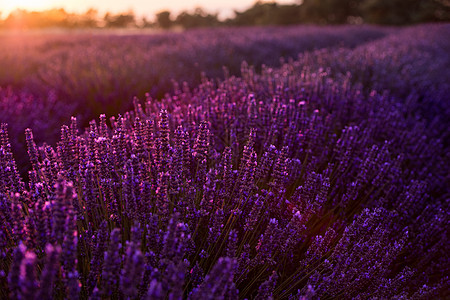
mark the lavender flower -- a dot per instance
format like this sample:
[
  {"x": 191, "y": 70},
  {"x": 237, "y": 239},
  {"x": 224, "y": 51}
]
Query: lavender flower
[
  {"x": 218, "y": 282},
  {"x": 111, "y": 266},
  {"x": 132, "y": 271},
  {"x": 28, "y": 281},
  {"x": 265, "y": 290},
  {"x": 50, "y": 271},
  {"x": 15, "y": 271}
]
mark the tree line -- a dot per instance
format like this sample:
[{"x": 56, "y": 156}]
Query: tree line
[{"x": 385, "y": 12}]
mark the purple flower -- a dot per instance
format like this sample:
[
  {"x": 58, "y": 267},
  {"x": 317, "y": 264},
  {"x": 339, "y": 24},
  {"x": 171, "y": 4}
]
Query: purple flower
[{"x": 50, "y": 272}]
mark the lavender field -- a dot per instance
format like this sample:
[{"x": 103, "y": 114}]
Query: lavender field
[{"x": 300, "y": 162}]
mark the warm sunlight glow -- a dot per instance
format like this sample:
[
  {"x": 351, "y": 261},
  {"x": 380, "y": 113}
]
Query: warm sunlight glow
[
  {"x": 140, "y": 7},
  {"x": 30, "y": 4}
]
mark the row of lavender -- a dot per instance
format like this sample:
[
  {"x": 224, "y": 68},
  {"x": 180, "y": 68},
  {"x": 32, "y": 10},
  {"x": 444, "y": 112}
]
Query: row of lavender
[
  {"x": 51, "y": 66},
  {"x": 284, "y": 184},
  {"x": 414, "y": 62},
  {"x": 58, "y": 75}
]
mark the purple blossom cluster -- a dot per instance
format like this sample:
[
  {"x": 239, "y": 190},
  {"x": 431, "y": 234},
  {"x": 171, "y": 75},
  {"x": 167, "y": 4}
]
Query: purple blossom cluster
[{"x": 290, "y": 183}]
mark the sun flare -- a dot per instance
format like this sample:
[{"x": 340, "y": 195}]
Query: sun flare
[{"x": 28, "y": 4}]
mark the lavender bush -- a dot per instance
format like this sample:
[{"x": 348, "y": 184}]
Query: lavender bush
[{"x": 296, "y": 182}]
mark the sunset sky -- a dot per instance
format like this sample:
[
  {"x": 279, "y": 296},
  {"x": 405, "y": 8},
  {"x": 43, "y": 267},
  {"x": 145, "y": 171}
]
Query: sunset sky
[{"x": 140, "y": 7}]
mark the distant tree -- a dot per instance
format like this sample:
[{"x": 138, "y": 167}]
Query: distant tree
[
  {"x": 89, "y": 18},
  {"x": 199, "y": 18},
  {"x": 267, "y": 13},
  {"x": 389, "y": 12},
  {"x": 120, "y": 21},
  {"x": 146, "y": 23},
  {"x": 329, "y": 11},
  {"x": 398, "y": 12},
  {"x": 287, "y": 15},
  {"x": 441, "y": 10},
  {"x": 258, "y": 14},
  {"x": 163, "y": 19}
]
